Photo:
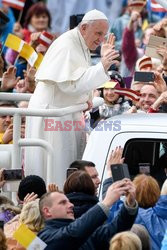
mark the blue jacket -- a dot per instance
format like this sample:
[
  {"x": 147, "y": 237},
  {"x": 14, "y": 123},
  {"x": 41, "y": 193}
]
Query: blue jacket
[
  {"x": 155, "y": 221},
  {"x": 164, "y": 242},
  {"x": 86, "y": 232}
]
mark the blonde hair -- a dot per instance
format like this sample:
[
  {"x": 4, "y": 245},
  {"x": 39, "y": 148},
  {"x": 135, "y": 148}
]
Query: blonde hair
[
  {"x": 30, "y": 216},
  {"x": 164, "y": 188},
  {"x": 125, "y": 241}
]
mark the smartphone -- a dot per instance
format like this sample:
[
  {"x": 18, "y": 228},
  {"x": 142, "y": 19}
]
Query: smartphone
[
  {"x": 153, "y": 44},
  {"x": 71, "y": 171},
  {"x": 1, "y": 224},
  {"x": 13, "y": 174},
  {"x": 144, "y": 168},
  {"x": 144, "y": 76},
  {"x": 120, "y": 171}
]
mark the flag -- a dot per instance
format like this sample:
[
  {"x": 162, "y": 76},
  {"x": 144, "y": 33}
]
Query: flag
[
  {"x": 28, "y": 239},
  {"x": 24, "y": 50},
  {"x": 38, "y": 61},
  {"x": 156, "y": 7},
  {"x": 14, "y": 42},
  {"x": 16, "y": 4},
  {"x": 29, "y": 54},
  {"x": 46, "y": 39},
  {"x": 134, "y": 95}
]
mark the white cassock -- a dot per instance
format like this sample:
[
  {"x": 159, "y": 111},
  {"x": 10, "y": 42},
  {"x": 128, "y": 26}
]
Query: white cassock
[{"x": 65, "y": 78}]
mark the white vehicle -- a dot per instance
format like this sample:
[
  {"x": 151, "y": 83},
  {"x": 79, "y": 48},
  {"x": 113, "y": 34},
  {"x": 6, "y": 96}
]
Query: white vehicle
[{"x": 143, "y": 137}]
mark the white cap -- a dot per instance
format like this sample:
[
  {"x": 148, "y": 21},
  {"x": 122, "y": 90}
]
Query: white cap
[{"x": 94, "y": 15}]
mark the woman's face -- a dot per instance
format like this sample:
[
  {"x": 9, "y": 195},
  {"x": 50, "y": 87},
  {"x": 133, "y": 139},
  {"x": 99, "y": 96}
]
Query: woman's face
[
  {"x": 40, "y": 22},
  {"x": 109, "y": 95}
]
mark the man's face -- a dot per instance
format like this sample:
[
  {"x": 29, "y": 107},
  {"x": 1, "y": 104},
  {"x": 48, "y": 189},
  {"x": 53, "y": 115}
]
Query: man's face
[
  {"x": 92, "y": 172},
  {"x": 61, "y": 207},
  {"x": 94, "y": 33},
  {"x": 149, "y": 95}
]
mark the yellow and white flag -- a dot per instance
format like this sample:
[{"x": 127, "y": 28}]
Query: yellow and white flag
[
  {"x": 28, "y": 239},
  {"x": 28, "y": 53},
  {"x": 24, "y": 50},
  {"x": 38, "y": 61},
  {"x": 14, "y": 42}
]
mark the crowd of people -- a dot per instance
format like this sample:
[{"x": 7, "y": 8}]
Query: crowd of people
[{"x": 99, "y": 57}]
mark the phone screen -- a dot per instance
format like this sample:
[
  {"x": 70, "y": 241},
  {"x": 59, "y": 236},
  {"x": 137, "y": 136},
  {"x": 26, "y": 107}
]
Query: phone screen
[
  {"x": 144, "y": 168},
  {"x": 142, "y": 76},
  {"x": 12, "y": 174}
]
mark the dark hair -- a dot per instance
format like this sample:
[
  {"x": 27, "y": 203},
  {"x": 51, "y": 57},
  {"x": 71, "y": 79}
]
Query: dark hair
[
  {"x": 79, "y": 182},
  {"x": 37, "y": 9},
  {"x": 31, "y": 183},
  {"x": 80, "y": 165},
  {"x": 114, "y": 75}
]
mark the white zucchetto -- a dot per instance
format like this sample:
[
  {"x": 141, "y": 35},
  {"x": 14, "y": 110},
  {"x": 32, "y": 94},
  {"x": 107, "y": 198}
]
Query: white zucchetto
[{"x": 94, "y": 15}]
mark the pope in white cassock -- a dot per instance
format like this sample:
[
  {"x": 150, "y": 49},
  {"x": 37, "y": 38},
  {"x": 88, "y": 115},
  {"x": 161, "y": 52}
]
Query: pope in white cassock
[{"x": 65, "y": 78}]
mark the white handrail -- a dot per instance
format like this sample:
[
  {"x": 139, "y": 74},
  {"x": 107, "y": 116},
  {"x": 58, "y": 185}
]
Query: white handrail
[
  {"x": 15, "y": 96},
  {"x": 50, "y": 158},
  {"x": 18, "y": 112}
]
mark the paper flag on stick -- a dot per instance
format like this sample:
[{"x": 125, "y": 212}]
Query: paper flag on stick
[
  {"x": 14, "y": 42},
  {"x": 28, "y": 239},
  {"x": 29, "y": 54},
  {"x": 16, "y": 4},
  {"x": 46, "y": 38},
  {"x": 134, "y": 95}
]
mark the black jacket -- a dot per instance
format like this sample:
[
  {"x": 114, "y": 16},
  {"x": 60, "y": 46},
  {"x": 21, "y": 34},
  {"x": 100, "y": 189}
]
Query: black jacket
[
  {"x": 86, "y": 232},
  {"x": 82, "y": 202}
]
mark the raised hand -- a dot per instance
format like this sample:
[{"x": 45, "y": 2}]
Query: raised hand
[
  {"x": 159, "y": 82},
  {"x": 8, "y": 135},
  {"x": 108, "y": 45},
  {"x": 30, "y": 197},
  {"x": 2, "y": 181},
  {"x": 52, "y": 187},
  {"x": 114, "y": 158},
  {"x": 9, "y": 79},
  {"x": 114, "y": 192},
  {"x": 29, "y": 76},
  {"x": 17, "y": 30}
]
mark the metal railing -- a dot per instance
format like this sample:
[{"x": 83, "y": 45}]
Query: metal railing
[{"x": 19, "y": 142}]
